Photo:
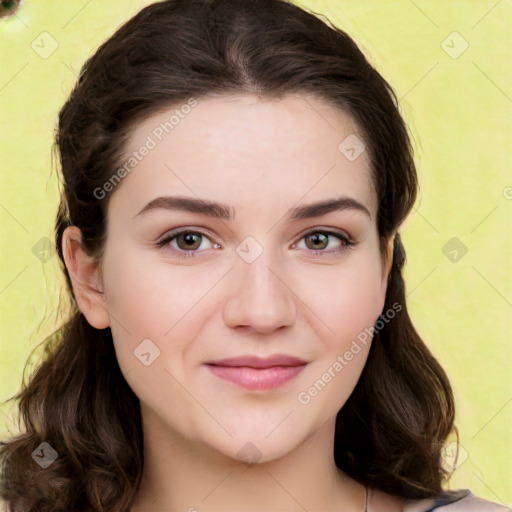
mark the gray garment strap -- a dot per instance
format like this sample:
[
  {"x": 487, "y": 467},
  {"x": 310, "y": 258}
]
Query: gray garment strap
[
  {"x": 433, "y": 504},
  {"x": 448, "y": 498}
]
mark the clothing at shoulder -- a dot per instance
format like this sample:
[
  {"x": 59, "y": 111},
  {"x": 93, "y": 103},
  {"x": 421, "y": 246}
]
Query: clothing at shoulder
[{"x": 462, "y": 500}]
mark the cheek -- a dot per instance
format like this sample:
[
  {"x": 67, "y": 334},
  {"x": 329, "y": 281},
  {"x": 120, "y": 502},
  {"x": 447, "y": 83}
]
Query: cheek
[
  {"x": 148, "y": 295},
  {"x": 348, "y": 298},
  {"x": 348, "y": 306},
  {"x": 134, "y": 308},
  {"x": 152, "y": 301}
]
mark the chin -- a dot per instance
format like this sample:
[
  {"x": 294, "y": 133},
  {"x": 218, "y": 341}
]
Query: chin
[{"x": 256, "y": 449}]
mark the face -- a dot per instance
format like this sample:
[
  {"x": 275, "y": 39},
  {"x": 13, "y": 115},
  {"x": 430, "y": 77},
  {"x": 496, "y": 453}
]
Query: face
[{"x": 260, "y": 279}]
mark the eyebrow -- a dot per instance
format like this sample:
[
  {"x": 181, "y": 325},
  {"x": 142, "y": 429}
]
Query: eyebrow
[{"x": 225, "y": 212}]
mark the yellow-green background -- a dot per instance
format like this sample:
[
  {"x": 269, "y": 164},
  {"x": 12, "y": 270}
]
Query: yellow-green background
[{"x": 459, "y": 113}]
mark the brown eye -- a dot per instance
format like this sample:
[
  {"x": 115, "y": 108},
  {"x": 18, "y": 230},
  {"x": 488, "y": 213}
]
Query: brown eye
[
  {"x": 185, "y": 242},
  {"x": 316, "y": 242},
  {"x": 319, "y": 240},
  {"x": 188, "y": 240}
]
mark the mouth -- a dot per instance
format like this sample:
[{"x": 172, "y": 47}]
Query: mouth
[{"x": 257, "y": 373}]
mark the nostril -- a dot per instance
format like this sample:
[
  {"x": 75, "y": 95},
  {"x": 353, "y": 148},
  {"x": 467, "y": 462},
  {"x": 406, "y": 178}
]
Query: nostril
[{"x": 9, "y": 8}]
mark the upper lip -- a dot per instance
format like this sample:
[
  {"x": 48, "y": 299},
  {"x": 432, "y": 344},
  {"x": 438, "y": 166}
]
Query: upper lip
[{"x": 260, "y": 362}]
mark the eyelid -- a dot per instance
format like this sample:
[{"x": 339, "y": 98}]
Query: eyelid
[
  {"x": 346, "y": 240},
  {"x": 187, "y": 229},
  {"x": 329, "y": 231},
  {"x": 166, "y": 238}
]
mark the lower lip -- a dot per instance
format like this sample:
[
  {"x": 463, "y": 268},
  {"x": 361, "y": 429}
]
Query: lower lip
[{"x": 256, "y": 378}]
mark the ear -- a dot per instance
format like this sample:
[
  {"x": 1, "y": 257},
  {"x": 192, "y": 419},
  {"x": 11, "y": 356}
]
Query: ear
[
  {"x": 386, "y": 268},
  {"x": 86, "y": 279}
]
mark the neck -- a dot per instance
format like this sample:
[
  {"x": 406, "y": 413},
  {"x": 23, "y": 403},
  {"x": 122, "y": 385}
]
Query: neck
[{"x": 182, "y": 474}]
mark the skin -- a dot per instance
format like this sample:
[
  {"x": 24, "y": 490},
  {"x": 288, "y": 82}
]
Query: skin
[{"x": 261, "y": 157}]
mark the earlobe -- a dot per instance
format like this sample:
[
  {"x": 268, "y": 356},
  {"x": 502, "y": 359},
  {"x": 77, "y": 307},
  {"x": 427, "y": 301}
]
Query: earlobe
[{"x": 86, "y": 279}]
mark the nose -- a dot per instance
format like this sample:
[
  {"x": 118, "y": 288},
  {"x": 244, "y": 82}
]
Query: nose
[{"x": 258, "y": 297}]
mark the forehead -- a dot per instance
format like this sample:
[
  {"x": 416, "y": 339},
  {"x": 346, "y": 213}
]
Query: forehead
[{"x": 249, "y": 149}]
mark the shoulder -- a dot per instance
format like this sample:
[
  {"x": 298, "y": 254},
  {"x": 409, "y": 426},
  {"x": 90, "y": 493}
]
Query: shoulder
[
  {"x": 462, "y": 500},
  {"x": 472, "y": 503}
]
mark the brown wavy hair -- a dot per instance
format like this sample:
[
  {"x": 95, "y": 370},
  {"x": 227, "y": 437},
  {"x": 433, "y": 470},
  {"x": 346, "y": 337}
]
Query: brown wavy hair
[{"x": 390, "y": 432}]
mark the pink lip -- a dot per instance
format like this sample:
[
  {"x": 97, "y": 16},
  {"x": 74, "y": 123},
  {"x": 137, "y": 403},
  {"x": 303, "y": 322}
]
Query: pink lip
[{"x": 253, "y": 372}]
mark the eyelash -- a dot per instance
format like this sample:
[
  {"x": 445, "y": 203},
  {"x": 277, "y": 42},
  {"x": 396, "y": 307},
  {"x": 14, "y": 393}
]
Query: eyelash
[{"x": 167, "y": 238}]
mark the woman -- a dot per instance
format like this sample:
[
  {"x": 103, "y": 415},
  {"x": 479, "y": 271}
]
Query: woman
[{"x": 235, "y": 175}]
